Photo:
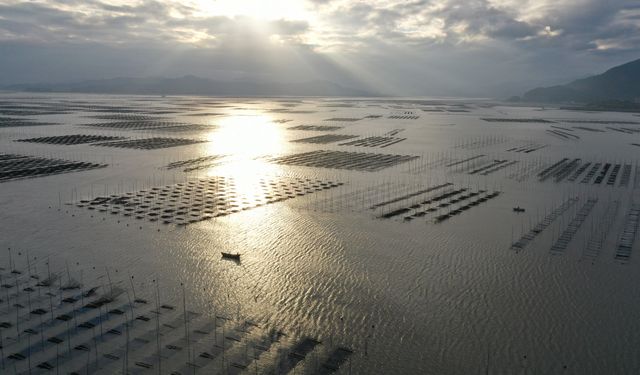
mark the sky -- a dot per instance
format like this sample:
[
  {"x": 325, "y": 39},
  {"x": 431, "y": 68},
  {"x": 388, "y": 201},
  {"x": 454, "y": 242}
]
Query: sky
[{"x": 479, "y": 48}]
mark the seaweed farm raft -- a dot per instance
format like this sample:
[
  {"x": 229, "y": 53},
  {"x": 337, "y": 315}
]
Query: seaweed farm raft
[
  {"x": 14, "y": 166},
  {"x": 194, "y": 201},
  {"x": 343, "y": 160},
  {"x": 73, "y": 139},
  {"x": 149, "y": 143},
  {"x": 56, "y": 323}
]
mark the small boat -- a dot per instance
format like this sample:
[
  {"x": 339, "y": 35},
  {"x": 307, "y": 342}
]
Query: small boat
[
  {"x": 231, "y": 256},
  {"x": 518, "y": 209}
]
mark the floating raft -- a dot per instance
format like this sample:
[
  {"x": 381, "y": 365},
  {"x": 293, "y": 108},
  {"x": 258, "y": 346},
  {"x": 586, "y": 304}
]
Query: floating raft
[
  {"x": 458, "y": 162},
  {"x": 626, "y": 240},
  {"x": 358, "y": 161},
  {"x": 592, "y": 172},
  {"x": 204, "y": 199},
  {"x": 601, "y": 231},
  {"x": 381, "y": 142},
  {"x": 499, "y": 167},
  {"x": 542, "y": 225},
  {"x": 47, "y": 328},
  {"x": 150, "y": 143},
  {"x": 164, "y": 126},
  {"x": 565, "y": 238},
  {"x": 626, "y": 175},
  {"x": 14, "y": 166},
  {"x": 480, "y": 142},
  {"x": 10, "y": 122},
  {"x": 127, "y": 117},
  {"x": 562, "y": 134},
  {"x": 404, "y": 117},
  {"x": 573, "y": 169},
  {"x": 411, "y": 195},
  {"x": 462, "y": 208},
  {"x": 529, "y": 148},
  {"x": 548, "y": 172},
  {"x": 521, "y": 120},
  {"x": 589, "y": 129},
  {"x": 579, "y": 172},
  {"x": 343, "y": 119},
  {"x": 72, "y": 139},
  {"x": 197, "y": 163},
  {"x": 317, "y": 128},
  {"x": 602, "y": 174},
  {"x": 489, "y": 166},
  {"x": 601, "y": 122},
  {"x": 325, "y": 138}
]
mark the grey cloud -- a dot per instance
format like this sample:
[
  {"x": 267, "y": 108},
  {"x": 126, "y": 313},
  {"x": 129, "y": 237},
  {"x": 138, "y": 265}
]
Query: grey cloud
[{"x": 482, "y": 43}]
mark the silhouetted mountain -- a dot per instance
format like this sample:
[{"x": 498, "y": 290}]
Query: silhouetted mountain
[
  {"x": 621, "y": 83},
  {"x": 191, "y": 85}
]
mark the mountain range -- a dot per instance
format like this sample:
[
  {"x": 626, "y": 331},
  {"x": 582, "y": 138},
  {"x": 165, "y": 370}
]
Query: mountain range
[
  {"x": 192, "y": 85},
  {"x": 621, "y": 83}
]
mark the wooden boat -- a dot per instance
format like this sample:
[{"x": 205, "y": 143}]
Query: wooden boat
[
  {"x": 231, "y": 256},
  {"x": 518, "y": 209}
]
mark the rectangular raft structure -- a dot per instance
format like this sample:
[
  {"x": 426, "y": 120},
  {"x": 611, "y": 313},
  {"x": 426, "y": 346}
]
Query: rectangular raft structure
[{"x": 627, "y": 239}]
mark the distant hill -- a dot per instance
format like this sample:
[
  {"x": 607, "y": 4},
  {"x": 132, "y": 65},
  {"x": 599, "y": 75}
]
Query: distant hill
[
  {"x": 191, "y": 85},
  {"x": 621, "y": 83}
]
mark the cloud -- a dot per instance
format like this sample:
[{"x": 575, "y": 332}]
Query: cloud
[{"x": 405, "y": 47}]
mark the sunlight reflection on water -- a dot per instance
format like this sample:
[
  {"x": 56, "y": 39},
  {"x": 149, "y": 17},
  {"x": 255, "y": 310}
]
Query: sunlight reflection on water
[{"x": 247, "y": 136}]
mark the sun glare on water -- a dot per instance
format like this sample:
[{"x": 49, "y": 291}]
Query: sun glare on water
[
  {"x": 247, "y": 135},
  {"x": 245, "y": 138}
]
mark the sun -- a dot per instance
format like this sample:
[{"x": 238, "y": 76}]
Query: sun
[{"x": 256, "y": 9}]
